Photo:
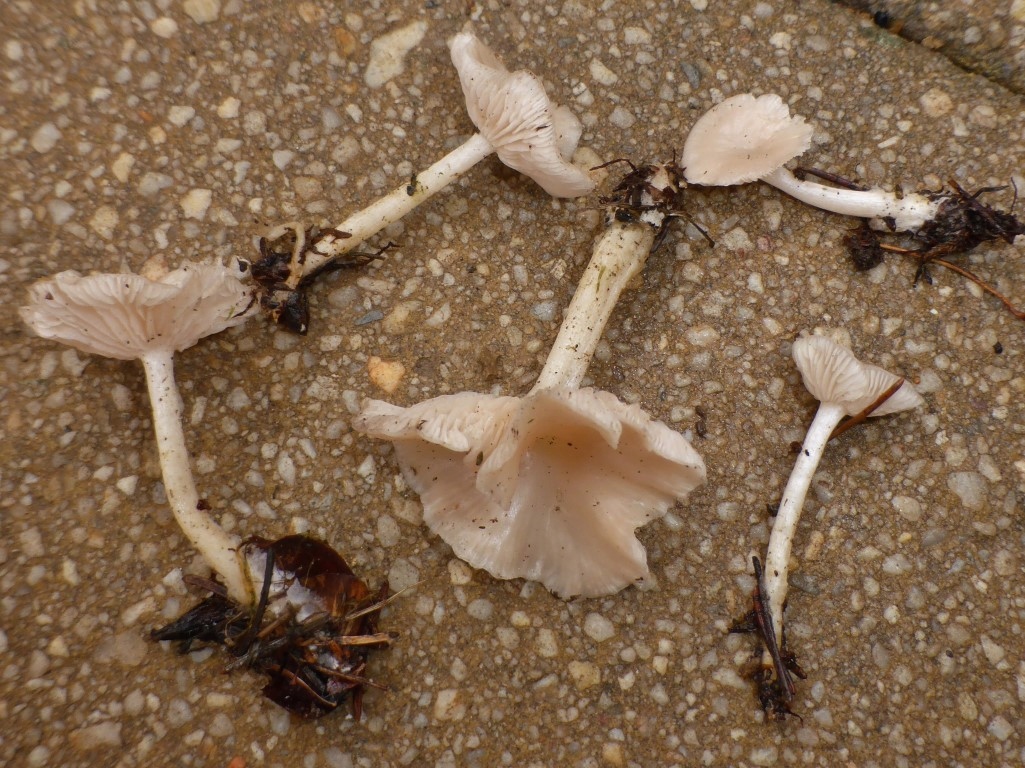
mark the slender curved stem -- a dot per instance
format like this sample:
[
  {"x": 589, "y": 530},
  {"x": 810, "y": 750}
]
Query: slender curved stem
[
  {"x": 910, "y": 212},
  {"x": 368, "y": 222},
  {"x": 618, "y": 256},
  {"x": 215, "y": 545},
  {"x": 781, "y": 540}
]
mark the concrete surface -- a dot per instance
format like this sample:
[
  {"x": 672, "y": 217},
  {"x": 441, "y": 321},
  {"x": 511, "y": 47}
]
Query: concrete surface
[
  {"x": 908, "y": 604},
  {"x": 982, "y": 36}
]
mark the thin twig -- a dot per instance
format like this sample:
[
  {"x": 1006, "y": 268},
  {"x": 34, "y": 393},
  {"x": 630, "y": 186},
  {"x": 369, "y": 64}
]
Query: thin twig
[
  {"x": 866, "y": 412},
  {"x": 961, "y": 271},
  {"x": 765, "y": 628}
]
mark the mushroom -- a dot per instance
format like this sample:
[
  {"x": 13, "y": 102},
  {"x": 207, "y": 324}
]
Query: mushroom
[
  {"x": 128, "y": 316},
  {"x": 844, "y": 386},
  {"x": 749, "y": 138},
  {"x": 552, "y": 485},
  {"x": 515, "y": 120}
]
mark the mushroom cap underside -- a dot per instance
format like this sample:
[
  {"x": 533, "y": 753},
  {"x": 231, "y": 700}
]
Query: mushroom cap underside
[
  {"x": 834, "y": 375},
  {"x": 124, "y": 316},
  {"x": 549, "y": 487},
  {"x": 742, "y": 139},
  {"x": 512, "y": 111}
]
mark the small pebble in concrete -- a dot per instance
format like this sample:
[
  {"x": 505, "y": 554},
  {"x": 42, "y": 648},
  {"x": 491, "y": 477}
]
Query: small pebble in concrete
[{"x": 388, "y": 53}]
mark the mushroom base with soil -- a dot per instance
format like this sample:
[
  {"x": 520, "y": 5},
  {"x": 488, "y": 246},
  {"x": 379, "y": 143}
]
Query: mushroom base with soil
[
  {"x": 310, "y": 631},
  {"x": 963, "y": 222}
]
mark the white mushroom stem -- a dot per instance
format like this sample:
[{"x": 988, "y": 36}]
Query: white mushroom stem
[
  {"x": 618, "y": 256},
  {"x": 390, "y": 208},
  {"x": 781, "y": 541},
  {"x": 216, "y": 546},
  {"x": 909, "y": 212}
]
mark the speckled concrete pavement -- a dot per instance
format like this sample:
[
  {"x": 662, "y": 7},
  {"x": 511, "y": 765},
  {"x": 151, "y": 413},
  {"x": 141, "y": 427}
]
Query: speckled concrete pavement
[
  {"x": 129, "y": 130},
  {"x": 983, "y": 36}
]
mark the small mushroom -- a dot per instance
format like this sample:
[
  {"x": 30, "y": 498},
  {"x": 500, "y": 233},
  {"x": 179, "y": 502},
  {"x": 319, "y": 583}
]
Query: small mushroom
[
  {"x": 515, "y": 120},
  {"x": 126, "y": 317},
  {"x": 844, "y": 386},
  {"x": 748, "y": 138},
  {"x": 552, "y": 485}
]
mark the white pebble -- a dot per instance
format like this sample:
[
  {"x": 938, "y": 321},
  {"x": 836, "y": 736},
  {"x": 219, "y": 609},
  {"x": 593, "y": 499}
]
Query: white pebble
[
  {"x": 994, "y": 653},
  {"x": 69, "y": 572},
  {"x": 544, "y": 311},
  {"x": 598, "y": 628},
  {"x": 908, "y": 508},
  {"x": 367, "y": 469},
  {"x": 388, "y": 532},
  {"x": 621, "y": 117},
  {"x": 970, "y": 488},
  {"x": 547, "y": 645},
  {"x": 286, "y": 469},
  {"x": 282, "y": 157},
  {"x": 228, "y": 109},
  {"x": 736, "y": 239},
  {"x": 122, "y": 166},
  {"x": 107, "y": 734},
  {"x": 330, "y": 118},
  {"x": 601, "y": 73},
  {"x": 45, "y": 138},
  {"x": 196, "y": 202},
  {"x": 104, "y": 221},
  {"x": 459, "y": 572},
  {"x": 897, "y": 564},
  {"x": 238, "y": 399},
  {"x": 178, "y": 713},
  {"x": 254, "y": 123},
  {"x": 227, "y": 146},
  {"x": 936, "y": 102},
  {"x": 702, "y": 335},
  {"x": 480, "y": 609},
  {"x": 388, "y": 53},
  {"x": 584, "y": 674},
  {"x": 164, "y": 27},
  {"x": 403, "y": 574},
  {"x": 764, "y": 755},
  {"x": 127, "y": 485},
  {"x": 636, "y": 36},
  {"x": 1000, "y": 728},
  {"x": 202, "y": 11},
  {"x": 447, "y": 705},
  {"x": 180, "y": 115},
  {"x": 60, "y": 211},
  {"x": 152, "y": 182}
]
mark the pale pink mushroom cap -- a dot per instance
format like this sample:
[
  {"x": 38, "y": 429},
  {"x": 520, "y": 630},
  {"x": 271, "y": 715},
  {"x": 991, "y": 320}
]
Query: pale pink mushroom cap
[
  {"x": 742, "y": 139},
  {"x": 512, "y": 111},
  {"x": 548, "y": 487},
  {"x": 124, "y": 316},
  {"x": 834, "y": 375}
]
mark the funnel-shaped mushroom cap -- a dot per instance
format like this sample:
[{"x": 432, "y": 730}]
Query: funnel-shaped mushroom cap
[
  {"x": 549, "y": 487},
  {"x": 124, "y": 316},
  {"x": 742, "y": 139},
  {"x": 513, "y": 112},
  {"x": 834, "y": 375}
]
